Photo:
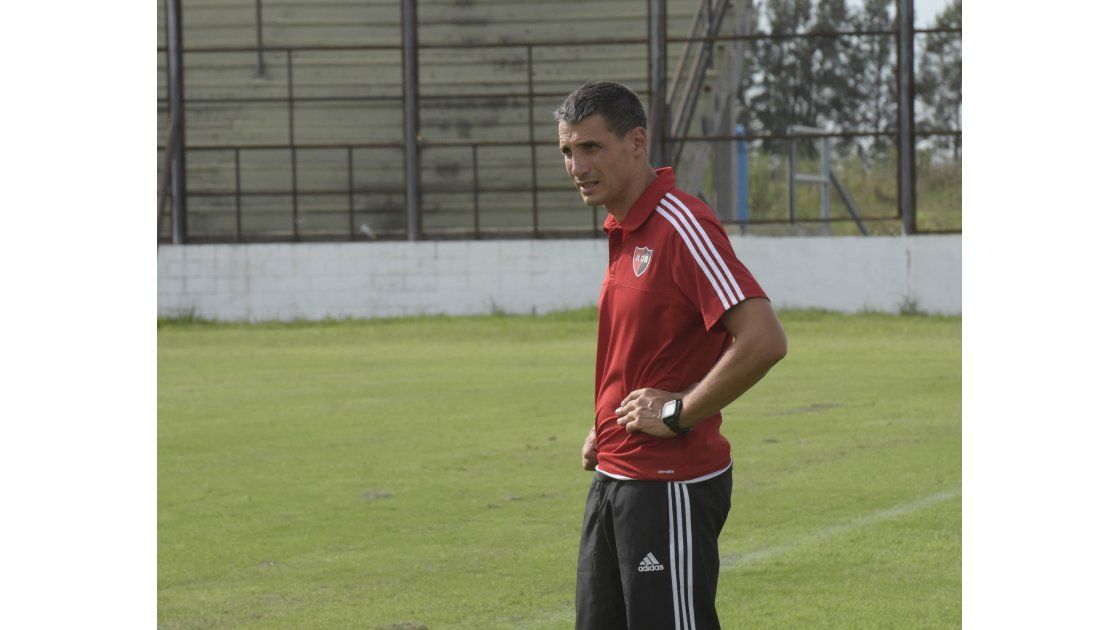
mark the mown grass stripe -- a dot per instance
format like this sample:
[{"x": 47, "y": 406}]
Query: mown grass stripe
[{"x": 737, "y": 561}]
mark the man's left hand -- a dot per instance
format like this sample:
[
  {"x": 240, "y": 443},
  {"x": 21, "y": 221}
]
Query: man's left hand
[{"x": 641, "y": 411}]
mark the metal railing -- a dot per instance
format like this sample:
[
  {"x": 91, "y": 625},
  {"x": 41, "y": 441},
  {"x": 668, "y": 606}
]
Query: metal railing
[
  {"x": 531, "y": 95},
  {"x": 825, "y": 180},
  {"x": 290, "y": 100},
  {"x": 170, "y": 148}
]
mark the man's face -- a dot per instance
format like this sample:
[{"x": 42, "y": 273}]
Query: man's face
[{"x": 601, "y": 164}]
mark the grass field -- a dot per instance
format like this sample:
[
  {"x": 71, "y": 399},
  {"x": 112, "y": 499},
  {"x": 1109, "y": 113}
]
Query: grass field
[{"x": 425, "y": 472}]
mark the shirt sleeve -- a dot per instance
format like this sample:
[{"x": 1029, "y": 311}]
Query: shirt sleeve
[{"x": 707, "y": 270}]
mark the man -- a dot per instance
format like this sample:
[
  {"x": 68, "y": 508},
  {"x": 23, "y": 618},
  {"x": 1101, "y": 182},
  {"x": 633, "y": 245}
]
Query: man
[{"x": 684, "y": 330}]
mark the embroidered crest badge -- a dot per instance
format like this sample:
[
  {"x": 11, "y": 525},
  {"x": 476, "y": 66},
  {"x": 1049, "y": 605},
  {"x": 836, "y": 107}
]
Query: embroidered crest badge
[{"x": 642, "y": 256}]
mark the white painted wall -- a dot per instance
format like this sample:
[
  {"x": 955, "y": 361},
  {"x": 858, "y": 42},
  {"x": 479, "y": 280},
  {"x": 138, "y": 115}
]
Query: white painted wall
[{"x": 319, "y": 280}]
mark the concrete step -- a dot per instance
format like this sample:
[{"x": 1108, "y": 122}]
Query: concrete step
[
  {"x": 441, "y": 119},
  {"x": 304, "y": 23},
  {"x": 442, "y": 168},
  {"x": 273, "y": 216}
]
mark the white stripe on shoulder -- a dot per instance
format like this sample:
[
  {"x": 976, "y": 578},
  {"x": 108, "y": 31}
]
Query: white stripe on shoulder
[
  {"x": 711, "y": 247},
  {"x": 696, "y": 255},
  {"x": 700, "y": 247}
]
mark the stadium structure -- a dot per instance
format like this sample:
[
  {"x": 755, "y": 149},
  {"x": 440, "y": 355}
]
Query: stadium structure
[{"x": 386, "y": 122}]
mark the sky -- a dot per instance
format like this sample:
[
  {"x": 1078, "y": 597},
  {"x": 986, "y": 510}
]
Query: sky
[{"x": 926, "y": 10}]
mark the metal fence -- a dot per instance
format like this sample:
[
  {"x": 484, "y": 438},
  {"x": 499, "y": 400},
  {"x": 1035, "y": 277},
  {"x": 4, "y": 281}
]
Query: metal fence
[{"x": 545, "y": 195}]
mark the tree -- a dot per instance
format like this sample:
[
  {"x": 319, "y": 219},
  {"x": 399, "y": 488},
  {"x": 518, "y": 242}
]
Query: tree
[
  {"x": 877, "y": 106},
  {"x": 847, "y": 82},
  {"x": 938, "y": 84},
  {"x": 777, "y": 90},
  {"x": 822, "y": 81},
  {"x": 835, "y": 61}
]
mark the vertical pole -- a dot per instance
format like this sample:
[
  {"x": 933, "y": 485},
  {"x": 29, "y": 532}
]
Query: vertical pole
[
  {"x": 177, "y": 146},
  {"x": 906, "y": 167},
  {"x": 411, "y": 85},
  {"x": 474, "y": 169},
  {"x": 791, "y": 164},
  {"x": 658, "y": 26},
  {"x": 237, "y": 189},
  {"x": 742, "y": 152},
  {"x": 533, "y": 145},
  {"x": 723, "y": 167},
  {"x": 350, "y": 187},
  {"x": 260, "y": 41},
  {"x": 826, "y": 167},
  {"x": 292, "y": 149}
]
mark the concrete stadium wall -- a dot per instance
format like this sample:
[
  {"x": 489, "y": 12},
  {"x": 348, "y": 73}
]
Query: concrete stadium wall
[{"x": 320, "y": 280}]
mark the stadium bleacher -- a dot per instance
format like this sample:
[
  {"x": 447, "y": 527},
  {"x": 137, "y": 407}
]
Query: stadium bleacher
[{"x": 328, "y": 81}]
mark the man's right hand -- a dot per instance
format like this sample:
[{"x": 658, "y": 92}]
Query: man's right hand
[{"x": 590, "y": 459}]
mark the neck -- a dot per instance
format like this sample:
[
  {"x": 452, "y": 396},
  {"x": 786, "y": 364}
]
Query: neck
[{"x": 638, "y": 186}]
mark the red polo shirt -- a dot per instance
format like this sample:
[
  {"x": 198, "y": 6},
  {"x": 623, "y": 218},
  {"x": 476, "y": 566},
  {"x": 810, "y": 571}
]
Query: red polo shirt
[{"x": 672, "y": 274}]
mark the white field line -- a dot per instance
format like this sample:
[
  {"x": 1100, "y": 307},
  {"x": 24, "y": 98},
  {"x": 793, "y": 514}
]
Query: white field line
[{"x": 758, "y": 556}]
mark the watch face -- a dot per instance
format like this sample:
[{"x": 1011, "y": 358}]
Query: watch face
[{"x": 670, "y": 409}]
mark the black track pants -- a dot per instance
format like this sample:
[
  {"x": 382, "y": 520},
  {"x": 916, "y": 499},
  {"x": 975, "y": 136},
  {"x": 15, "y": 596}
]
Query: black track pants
[{"x": 648, "y": 556}]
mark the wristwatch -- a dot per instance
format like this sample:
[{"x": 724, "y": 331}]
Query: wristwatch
[{"x": 671, "y": 416}]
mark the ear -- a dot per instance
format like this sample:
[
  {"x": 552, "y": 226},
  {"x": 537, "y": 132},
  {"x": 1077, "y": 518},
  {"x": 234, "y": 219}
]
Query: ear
[{"x": 639, "y": 139}]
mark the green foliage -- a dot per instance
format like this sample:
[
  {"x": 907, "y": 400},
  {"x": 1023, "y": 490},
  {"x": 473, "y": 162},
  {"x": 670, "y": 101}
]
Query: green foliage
[
  {"x": 425, "y": 472},
  {"x": 938, "y": 84},
  {"x": 847, "y": 82},
  {"x": 877, "y": 78}
]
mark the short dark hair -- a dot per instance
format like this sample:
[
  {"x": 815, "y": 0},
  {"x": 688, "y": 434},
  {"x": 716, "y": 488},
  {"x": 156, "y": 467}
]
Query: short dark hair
[{"x": 617, "y": 104}]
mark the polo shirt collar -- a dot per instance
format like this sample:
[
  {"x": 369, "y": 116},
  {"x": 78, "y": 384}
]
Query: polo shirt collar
[{"x": 664, "y": 181}]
